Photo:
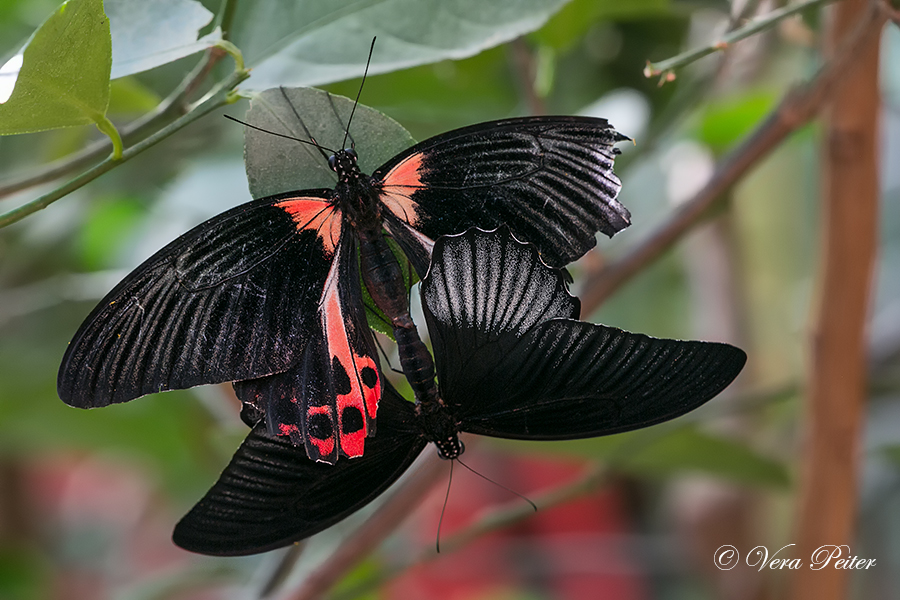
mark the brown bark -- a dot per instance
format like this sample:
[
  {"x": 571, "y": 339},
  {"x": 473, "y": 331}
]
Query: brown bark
[{"x": 837, "y": 390}]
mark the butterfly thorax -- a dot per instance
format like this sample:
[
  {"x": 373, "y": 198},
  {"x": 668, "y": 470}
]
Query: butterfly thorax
[
  {"x": 440, "y": 427},
  {"x": 355, "y": 192}
]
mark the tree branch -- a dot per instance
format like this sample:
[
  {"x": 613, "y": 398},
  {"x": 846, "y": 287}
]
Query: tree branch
[
  {"x": 835, "y": 405},
  {"x": 768, "y": 21},
  {"x": 795, "y": 110},
  {"x": 500, "y": 518},
  {"x": 404, "y": 499}
]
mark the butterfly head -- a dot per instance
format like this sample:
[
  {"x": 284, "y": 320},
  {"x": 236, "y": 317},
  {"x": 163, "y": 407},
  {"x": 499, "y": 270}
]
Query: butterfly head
[
  {"x": 450, "y": 448},
  {"x": 343, "y": 162}
]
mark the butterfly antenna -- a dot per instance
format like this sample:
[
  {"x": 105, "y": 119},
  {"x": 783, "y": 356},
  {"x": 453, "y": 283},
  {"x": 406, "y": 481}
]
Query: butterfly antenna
[
  {"x": 338, "y": 117},
  {"x": 321, "y": 148},
  {"x": 514, "y": 492},
  {"x": 437, "y": 544},
  {"x": 281, "y": 135},
  {"x": 359, "y": 93}
]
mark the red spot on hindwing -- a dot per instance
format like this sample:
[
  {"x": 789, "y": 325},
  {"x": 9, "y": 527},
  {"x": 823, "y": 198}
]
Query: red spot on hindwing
[
  {"x": 400, "y": 184},
  {"x": 285, "y": 429},
  {"x": 317, "y": 215},
  {"x": 320, "y": 429},
  {"x": 355, "y": 374}
]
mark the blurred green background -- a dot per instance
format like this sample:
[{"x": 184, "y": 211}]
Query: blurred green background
[{"x": 88, "y": 498}]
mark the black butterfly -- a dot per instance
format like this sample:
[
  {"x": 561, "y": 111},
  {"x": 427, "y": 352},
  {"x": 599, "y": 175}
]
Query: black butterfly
[
  {"x": 512, "y": 362},
  {"x": 268, "y": 294}
]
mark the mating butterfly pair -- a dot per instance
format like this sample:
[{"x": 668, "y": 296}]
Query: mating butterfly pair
[{"x": 268, "y": 295}]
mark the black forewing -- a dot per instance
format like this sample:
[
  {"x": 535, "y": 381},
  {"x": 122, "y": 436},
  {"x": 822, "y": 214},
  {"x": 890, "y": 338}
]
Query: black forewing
[
  {"x": 272, "y": 495},
  {"x": 550, "y": 179},
  {"x": 231, "y": 299},
  {"x": 559, "y": 378}
]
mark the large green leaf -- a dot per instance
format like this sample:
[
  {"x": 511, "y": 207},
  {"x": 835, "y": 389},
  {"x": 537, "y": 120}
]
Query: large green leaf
[
  {"x": 311, "y": 42},
  {"x": 275, "y": 164},
  {"x": 64, "y": 75},
  {"x": 150, "y": 33}
]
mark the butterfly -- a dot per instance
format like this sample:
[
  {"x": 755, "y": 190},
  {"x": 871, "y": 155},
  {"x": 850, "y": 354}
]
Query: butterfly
[
  {"x": 513, "y": 361},
  {"x": 268, "y": 295}
]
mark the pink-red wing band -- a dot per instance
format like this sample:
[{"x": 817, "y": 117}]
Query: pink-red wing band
[{"x": 353, "y": 373}]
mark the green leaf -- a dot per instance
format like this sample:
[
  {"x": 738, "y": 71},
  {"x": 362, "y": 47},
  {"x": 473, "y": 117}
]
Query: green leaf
[
  {"x": 22, "y": 575},
  {"x": 892, "y": 453},
  {"x": 64, "y": 78},
  {"x": 128, "y": 95},
  {"x": 275, "y": 164},
  {"x": 310, "y": 42},
  {"x": 664, "y": 451},
  {"x": 725, "y": 122},
  {"x": 689, "y": 449},
  {"x": 376, "y": 318},
  {"x": 151, "y": 33},
  {"x": 109, "y": 227}
]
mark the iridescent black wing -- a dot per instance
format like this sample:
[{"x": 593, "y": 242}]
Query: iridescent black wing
[
  {"x": 549, "y": 179},
  {"x": 541, "y": 375},
  {"x": 272, "y": 494}
]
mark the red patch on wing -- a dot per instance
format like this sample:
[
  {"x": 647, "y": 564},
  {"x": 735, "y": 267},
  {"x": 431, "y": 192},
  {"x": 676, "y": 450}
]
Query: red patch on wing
[
  {"x": 398, "y": 186},
  {"x": 318, "y": 215},
  {"x": 325, "y": 445},
  {"x": 285, "y": 429},
  {"x": 356, "y": 372}
]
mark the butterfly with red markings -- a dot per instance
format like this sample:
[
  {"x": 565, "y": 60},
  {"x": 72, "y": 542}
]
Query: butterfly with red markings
[
  {"x": 268, "y": 295},
  {"x": 512, "y": 361}
]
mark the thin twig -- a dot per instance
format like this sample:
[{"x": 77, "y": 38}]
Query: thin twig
[
  {"x": 795, "y": 110},
  {"x": 383, "y": 522},
  {"x": 215, "y": 99},
  {"x": 768, "y": 21},
  {"x": 500, "y": 518},
  {"x": 225, "y": 18},
  {"x": 525, "y": 68}
]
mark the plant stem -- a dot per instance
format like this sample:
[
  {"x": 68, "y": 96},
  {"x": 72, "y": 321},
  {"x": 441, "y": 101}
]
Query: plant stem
[
  {"x": 217, "y": 98},
  {"x": 108, "y": 129},
  {"x": 226, "y": 17},
  {"x": 666, "y": 67}
]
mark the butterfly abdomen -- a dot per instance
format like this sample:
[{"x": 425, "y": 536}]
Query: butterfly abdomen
[{"x": 385, "y": 283}]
